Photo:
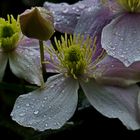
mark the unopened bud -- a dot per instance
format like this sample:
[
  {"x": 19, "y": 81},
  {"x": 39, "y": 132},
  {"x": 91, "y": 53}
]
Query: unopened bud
[{"x": 37, "y": 23}]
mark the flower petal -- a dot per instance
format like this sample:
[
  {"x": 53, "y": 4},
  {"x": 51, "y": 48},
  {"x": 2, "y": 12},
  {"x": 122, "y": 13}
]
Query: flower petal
[
  {"x": 111, "y": 71},
  {"x": 92, "y": 20},
  {"x": 23, "y": 63},
  {"x": 121, "y": 38},
  {"x": 115, "y": 102},
  {"x": 91, "y": 23},
  {"x": 3, "y": 63},
  {"x": 49, "y": 107},
  {"x": 66, "y": 16}
]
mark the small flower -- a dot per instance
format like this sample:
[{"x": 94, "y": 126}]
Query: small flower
[
  {"x": 37, "y": 23},
  {"x": 121, "y": 38},
  {"x": 18, "y": 51},
  {"x": 100, "y": 76}
]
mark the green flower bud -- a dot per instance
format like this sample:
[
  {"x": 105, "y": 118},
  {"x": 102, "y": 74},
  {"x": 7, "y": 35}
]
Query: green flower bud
[{"x": 37, "y": 23}]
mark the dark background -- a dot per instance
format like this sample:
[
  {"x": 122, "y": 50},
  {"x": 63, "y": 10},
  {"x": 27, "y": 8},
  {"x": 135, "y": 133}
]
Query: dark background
[{"x": 89, "y": 124}]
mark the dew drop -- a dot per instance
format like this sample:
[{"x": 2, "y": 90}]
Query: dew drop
[
  {"x": 51, "y": 86},
  {"x": 67, "y": 22},
  {"x": 18, "y": 106},
  {"x": 21, "y": 114},
  {"x": 58, "y": 19},
  {"x": 81, "y": 6},
  {"x": 36, "y": 112},
  {"x": 49, "y": 118},
  {"x": 62, "y": 17},
  {"x": 27, "y": 104},
  {"x": 77, "y": 10},
  {"x": 112, "y": 66},
  {"x": 73, "y": 8},
  {"x": 78, "y": 17},
  {"x": 65, "y": 10},
  {"x": 63, "y": 91}
]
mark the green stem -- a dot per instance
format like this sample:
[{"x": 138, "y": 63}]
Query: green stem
[{"x": 42, "y": 58}]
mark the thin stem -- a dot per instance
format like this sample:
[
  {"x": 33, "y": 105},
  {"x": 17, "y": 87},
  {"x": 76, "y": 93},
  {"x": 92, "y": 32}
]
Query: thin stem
[{"x": 42, "y": 58}]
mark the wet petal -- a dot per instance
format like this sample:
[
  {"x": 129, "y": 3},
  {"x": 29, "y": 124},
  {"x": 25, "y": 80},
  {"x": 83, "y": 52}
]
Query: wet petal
[
  {"x": 3, "y": 63},
  {"x": 23, "y": 63},
  {"x": 92, "y": 20},
  {"x": 115, "y": 102},
  {"x": 49, "y": 107},
  {"x": 66, "y": 16},
  {"x": 121, "y": 38},
  {"x": 113, "y": 72}
]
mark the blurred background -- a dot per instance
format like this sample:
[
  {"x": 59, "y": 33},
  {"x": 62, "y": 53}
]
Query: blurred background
[
  {"x": 15, "y": 7},
  {"x": 88, "y": 123}
]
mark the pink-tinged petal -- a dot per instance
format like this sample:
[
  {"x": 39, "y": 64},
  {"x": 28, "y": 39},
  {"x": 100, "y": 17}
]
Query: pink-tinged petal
[
  {"x": 92, "y": 20},
  {"x": 121, "y": 38},
  {"x": 49, "y": 107},
  {"x": 23, "y": 63},
  {"x": 115, "y": 102},
  {"x": 3, "y": 63},
  {"x": 113, "y": 72},
  {"x": 66, "y": 16},
  {"x": 29, "y": 43}
]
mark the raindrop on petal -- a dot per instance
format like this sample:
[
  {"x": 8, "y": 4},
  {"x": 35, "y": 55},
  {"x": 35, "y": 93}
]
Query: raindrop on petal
[
  {"x": 27, "y": 104},
  {"x": 65, "y": 10},
  {"x": 21, "y": 114},
  {"x": 36, "y": 112},
  {"x": 81, "y": 6}
]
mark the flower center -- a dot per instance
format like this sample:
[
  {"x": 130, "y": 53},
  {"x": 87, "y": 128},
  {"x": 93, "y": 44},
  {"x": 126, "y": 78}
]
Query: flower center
[
  {"x": 130, "y": 5},
  {"x": 75, "y": 56},
  {"x": 9, "y": 33},
  {"x": 74, "y": 60}
]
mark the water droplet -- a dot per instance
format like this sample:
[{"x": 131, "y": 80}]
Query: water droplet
[
  {"x": 63, "y": 91},
  {"x": 49, "y": 118},
  {"x": 27, "y": 104},
  {"x": 77, "y": 10},
  {"x": 62, "y": 17},
  {"x": 36, "y": 112},
  {"x": 18, "y": 106},
  {"x": 58, "y": 19},
  {"x": 112, "y": 66},
  {"x": 78, "y": 17},
  {"x": 89, "y": 9},
  {"x": 81, "y": 6},
  {"x": 65, "y": 11},
  {"x": 67, "y": 22},
  {"x": 46, "y": 124},
  {"x": 45, "y": 98},
  {"x": 73, "y": 8},
  {"x": 21, "y": 114},
  {"x": 51, "y": 86}
]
